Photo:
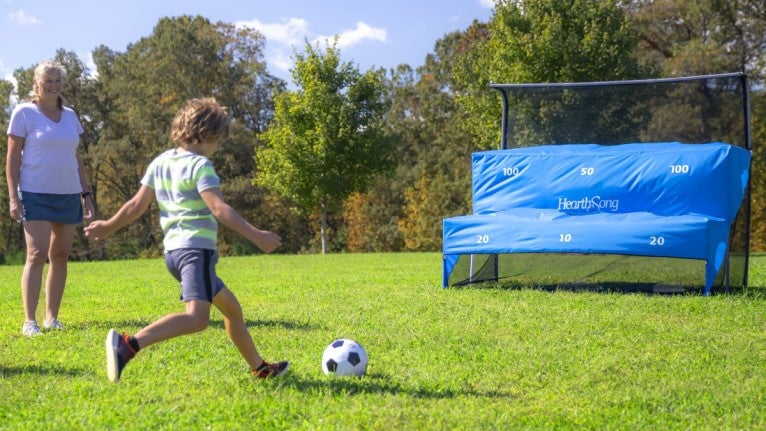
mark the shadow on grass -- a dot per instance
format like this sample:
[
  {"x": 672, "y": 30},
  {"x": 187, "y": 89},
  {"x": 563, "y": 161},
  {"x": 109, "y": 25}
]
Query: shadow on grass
[
  {"x": 605, "y": 287},
  {"x": 214, "y": 323},
  {"x": 595, "y": 273},
  {"x": 42, "y": 370},
  {"x": 284, "y": 324},
  {"x": 621, "y": 287},
  {"x": 379, "y": 383}
]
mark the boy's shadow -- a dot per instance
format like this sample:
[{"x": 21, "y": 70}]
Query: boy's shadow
[
  {"x": 377, "y": 383},
  {"x": 42, "y": 370},
  {"x": 285, "y": 324},
  {"x": 214, "y": 323}
]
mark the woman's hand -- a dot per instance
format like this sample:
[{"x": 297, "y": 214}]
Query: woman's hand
[
  {"x": 90, "y": 209},
  {"x": 17, "y": 213}
]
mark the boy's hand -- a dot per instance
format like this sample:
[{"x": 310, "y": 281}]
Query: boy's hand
[
  {"x": 267, "y": 241},
  {"x": 96, "y": 230}
]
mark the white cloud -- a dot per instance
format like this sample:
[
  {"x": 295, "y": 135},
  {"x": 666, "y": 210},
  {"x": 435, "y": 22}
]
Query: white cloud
[
  {"x": 292, "y": 32},
  {"x": 7, "y": 75},
  {"x": 362, "y": 32},
  {"x": 283, "y": 37},
  {"x": 89, "y": 63},
  {"x": 20, "y": 17},
  {"x": 489, "y": 4},
  {"x": 280, "y": 60}
]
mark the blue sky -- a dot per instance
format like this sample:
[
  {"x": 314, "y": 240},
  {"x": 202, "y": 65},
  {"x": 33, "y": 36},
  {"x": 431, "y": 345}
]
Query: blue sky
[{"x": 373, "y": 33}]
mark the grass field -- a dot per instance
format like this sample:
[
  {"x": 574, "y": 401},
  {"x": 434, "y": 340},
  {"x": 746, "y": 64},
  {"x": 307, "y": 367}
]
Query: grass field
[{"x": 475, "y": 358}]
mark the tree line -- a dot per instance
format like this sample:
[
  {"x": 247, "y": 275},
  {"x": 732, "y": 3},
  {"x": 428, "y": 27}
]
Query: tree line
[{"x": 364, "y": 161}]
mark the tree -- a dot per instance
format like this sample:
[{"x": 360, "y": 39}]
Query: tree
[
  {"x": 681, "y": 37},
  {"x": 184, "y": 57},
  {"x": 327, "y": 138},
  {"x": 11, "y": 235},
  {"x": 434, "y": 177},
  {"x": 543, "y": 41}
]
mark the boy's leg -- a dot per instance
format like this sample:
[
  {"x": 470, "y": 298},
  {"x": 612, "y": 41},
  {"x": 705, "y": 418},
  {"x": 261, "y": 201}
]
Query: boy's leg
[
  {"x": 234, "y": 321},
  {"x": 195, "y": 319},
  {"x": 225, "y": 301},
  {"x": 118, "y": 346}
]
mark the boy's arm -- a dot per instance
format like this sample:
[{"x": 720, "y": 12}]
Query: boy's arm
[
  {"x": 265, "y": 240},
  {"x": 129, "y": 212}
]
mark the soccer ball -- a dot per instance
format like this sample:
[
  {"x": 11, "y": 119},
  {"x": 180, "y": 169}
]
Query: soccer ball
[{"x": 344, "y": 357}]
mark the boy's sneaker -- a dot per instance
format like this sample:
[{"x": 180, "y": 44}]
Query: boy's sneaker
[
  {"x": 268, "y": 370},
  {"x": 30, "y": 329},
  {"x": 118, "y": 353},
  {"x": 53, "y": 324}
]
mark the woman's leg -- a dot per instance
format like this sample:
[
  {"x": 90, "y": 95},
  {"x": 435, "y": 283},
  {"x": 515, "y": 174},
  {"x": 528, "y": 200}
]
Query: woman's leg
[
  {"x": 62, "y": 237},
  {"x": 37, "y": 235}
]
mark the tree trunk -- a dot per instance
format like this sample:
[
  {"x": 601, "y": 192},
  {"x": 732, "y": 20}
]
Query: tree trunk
[{"x": 324, "y": 229}]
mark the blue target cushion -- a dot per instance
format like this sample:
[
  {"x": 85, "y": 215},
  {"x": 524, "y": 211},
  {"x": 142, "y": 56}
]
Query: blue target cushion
[{"x": 648, "y": 199}]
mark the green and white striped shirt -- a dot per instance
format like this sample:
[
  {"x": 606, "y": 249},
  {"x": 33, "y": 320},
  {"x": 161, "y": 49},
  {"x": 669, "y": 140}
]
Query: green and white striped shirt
[{"x": 177, "y": 180}]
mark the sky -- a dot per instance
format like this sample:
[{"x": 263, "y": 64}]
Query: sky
[{"x": 372, "y": 33}]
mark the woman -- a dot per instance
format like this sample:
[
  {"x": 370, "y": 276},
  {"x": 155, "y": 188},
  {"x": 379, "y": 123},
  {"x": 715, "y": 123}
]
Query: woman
[{"x": 48, "y": 187}]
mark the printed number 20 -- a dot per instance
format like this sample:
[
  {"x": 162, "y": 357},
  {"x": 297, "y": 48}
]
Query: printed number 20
[{"x": 482, "y": 239}]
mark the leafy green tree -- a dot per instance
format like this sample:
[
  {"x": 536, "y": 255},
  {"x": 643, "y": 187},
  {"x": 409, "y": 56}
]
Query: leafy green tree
[
  {"x": 6, "y": 89},
  {"x": 543, "y": 41},
  {"x": 11, "y": 237},
  {"x": 327, "y": 139},
  {"x": 141, "y": 89},
  {"x": 434, "y": 177},
  {"x": 681, "y": 38}
]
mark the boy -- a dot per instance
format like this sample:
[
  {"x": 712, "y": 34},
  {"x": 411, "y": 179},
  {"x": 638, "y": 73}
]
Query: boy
[{"x": 189, "y": 197}]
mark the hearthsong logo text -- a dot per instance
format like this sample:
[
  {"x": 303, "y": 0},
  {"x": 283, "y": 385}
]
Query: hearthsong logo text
[{"x": 589, "y": 204}]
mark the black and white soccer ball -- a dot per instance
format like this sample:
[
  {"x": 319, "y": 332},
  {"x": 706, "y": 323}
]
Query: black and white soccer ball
[{"x": 344, "y": 357}]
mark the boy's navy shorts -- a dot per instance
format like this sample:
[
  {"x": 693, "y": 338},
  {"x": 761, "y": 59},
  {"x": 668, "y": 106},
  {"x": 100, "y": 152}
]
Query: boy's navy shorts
[{"x": 195, "y": 269}]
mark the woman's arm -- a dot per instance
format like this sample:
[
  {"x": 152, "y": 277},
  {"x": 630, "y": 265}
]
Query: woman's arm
[{"x": 12, "y": 167}]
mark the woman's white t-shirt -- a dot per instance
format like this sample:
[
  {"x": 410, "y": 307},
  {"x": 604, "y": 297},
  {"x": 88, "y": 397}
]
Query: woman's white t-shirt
[{"x": 49, "y": 156}]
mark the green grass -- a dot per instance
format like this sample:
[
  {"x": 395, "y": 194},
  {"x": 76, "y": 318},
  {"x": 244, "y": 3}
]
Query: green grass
[{"x": 465, "y": 358}]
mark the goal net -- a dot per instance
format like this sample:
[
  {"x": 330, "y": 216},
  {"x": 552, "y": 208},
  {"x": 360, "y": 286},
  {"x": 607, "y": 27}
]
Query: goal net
[{"x": 691, "y": 110}]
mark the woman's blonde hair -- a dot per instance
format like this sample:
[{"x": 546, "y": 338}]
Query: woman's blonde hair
[
  {"x": 39, "y": 74},
  {"x": 199, "y": 120}
]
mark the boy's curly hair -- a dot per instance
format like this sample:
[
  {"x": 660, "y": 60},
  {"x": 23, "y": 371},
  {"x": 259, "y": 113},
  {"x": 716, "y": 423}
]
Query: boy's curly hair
[{"x": 199, "y": 120}]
